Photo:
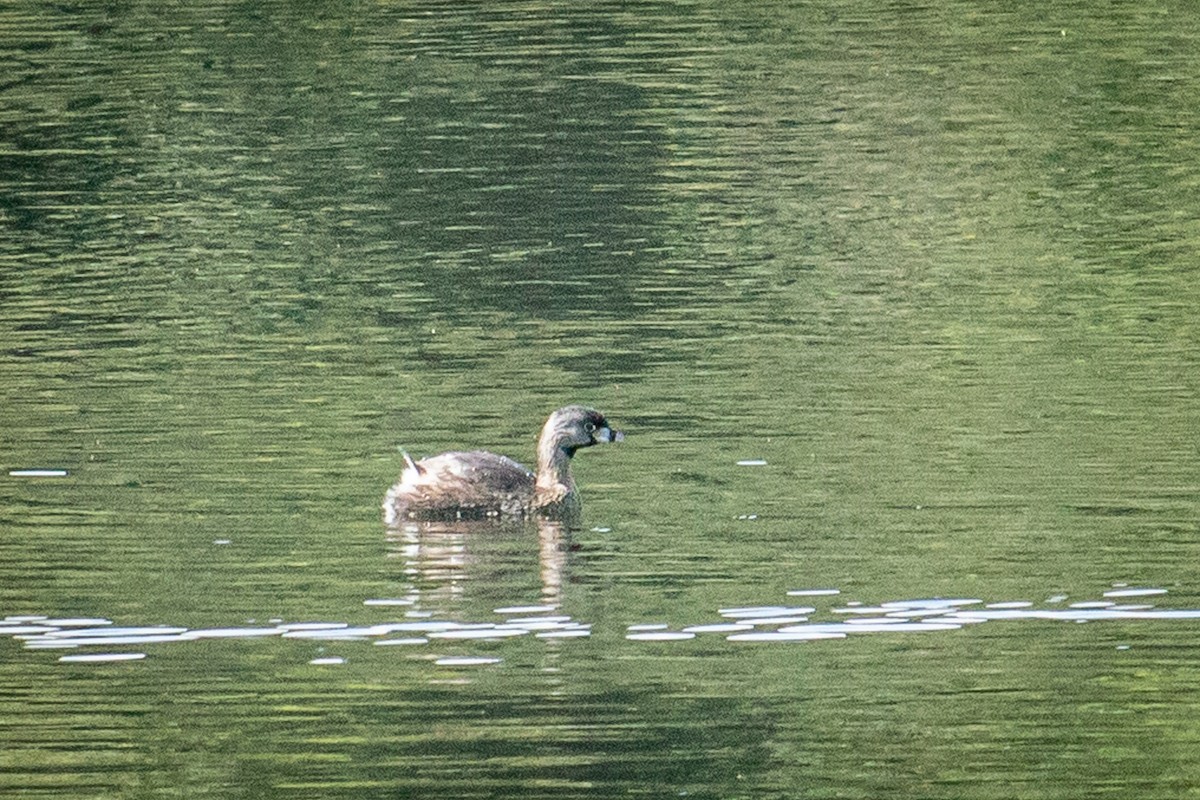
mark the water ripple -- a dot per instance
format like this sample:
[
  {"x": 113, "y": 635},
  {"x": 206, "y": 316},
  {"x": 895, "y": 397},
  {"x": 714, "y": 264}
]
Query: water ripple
[{"x": 752, "y": 623}]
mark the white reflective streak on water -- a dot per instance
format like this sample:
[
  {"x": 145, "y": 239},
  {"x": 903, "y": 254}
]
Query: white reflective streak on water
[{"x": 760, "y": 623}]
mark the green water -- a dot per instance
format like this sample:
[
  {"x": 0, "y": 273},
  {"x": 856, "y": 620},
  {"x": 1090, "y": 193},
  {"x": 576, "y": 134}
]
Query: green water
[{"x": 935, "y": 265}]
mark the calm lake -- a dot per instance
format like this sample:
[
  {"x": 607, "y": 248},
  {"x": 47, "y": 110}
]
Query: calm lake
[{"x": 896, "y": 304}]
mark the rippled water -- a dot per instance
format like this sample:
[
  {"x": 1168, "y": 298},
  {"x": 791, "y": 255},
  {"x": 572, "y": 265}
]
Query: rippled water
[
  {"x": 894, "y": 303},
  {"x": 768, "y": 624}
]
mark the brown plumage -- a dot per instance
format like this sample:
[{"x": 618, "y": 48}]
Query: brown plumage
[{"x": 481, "y": 484}]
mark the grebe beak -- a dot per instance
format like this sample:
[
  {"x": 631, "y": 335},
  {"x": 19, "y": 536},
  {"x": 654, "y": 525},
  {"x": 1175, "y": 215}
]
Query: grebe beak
[{"x": 609, "y": 435}]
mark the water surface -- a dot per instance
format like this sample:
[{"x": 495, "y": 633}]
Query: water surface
[{"x": 894, "y": 301}]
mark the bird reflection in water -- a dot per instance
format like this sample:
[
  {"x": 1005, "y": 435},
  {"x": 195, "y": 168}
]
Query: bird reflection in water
[{"x": 458, "y": 564}]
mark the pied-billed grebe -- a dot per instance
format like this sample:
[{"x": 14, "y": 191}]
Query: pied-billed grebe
[{"x": 483, "y": 484}]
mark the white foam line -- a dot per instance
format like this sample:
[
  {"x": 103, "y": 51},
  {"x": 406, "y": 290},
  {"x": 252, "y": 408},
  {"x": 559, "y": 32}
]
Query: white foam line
[
  {"x": 99, "y": 658},
  {"x": 526, "y": 609},
  {"x": 229, "y": 633},
  {"x": 466, "y": 661},
  {"x": 917, "y": 613},
  {"x": 535, "y": 625},
  {"x": 780, "y": 636},
  {"x": 720, "y": 627},
  {"x": 1070, "y": 615},
  {"x": 660, "y": 636},
  {"x": 1134, "y": 592},
  {"x": 750, "y": 612},
  {"x": 331, "y": 634},
  {"x": 109, "y": 633},
  {"x": 1164, "y": 613},
  {"x": 873, "y": 610},
  {"x": 869, "y": 627},
  {"x": 25, "y": 630},
  {"x": 311, "y": 626},
  {"x": 49, "y": 643},
  {"x": 565, "y": 633}
]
